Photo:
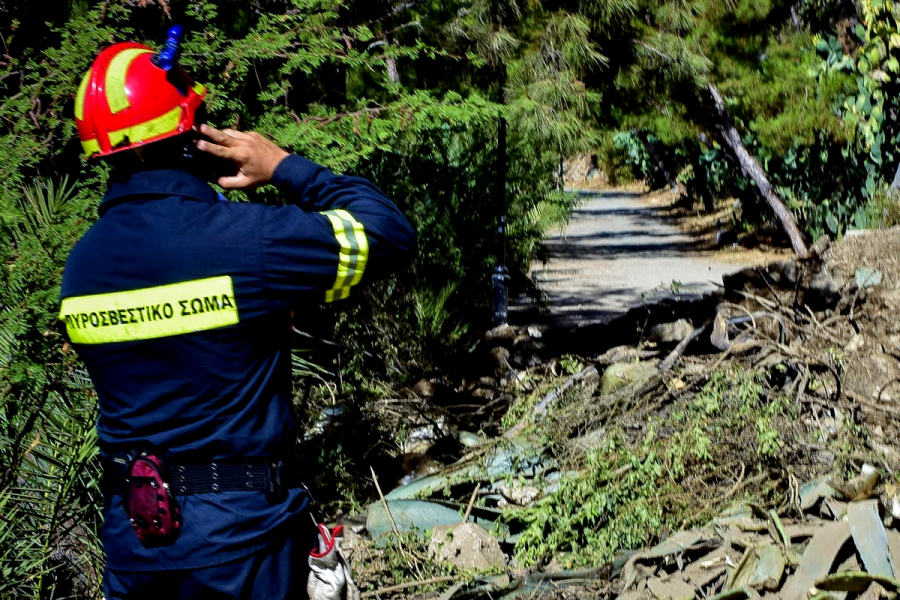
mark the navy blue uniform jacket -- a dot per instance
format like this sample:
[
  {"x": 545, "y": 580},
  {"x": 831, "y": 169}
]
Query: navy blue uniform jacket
[{"x": 179, "y": 304}]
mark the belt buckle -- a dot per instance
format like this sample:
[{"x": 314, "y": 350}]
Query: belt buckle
[{"x": 275, "y": 490}]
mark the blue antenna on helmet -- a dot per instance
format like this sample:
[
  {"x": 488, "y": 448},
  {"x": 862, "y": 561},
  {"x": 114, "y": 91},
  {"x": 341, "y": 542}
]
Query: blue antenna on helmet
[{"x": 168, "y": 56}]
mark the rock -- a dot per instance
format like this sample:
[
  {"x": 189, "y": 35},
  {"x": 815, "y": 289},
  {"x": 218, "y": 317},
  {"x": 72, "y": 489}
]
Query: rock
[
  {"x": 503, "y": 332},
  {"x": 788, "y": 271},
  {"x": 719, "y": 335},
  {"x": 673, "y": 589},
  {"x": 870, "y": 537},
  {"x": 420, "y": 439},
  {"x": 485, "y": 381},
  {"x": 823, "y": 291},
  {"x": 534, "y": 332},
  {"x": 821, "y": 245},
  {"x": 856, "y": 343},
  {"x": 424, "y": 388},
  {"x": 484, "y": 394},
  {"x": 518, "y": 494},
  {"x": 525, "y": 343},
  {"x": 893, "y": 492},
  {"x": 860, "y": 487},
  {"x": 619, "y": 375},
  {"x": 670, "y": 333},
  {"x": 466, "y": 546},
  {"x": 761, "y": 568},
  {"x": 866, "y": 277},
  {"x": 500, "y": 356},
  {"x": 467, "y": 439},
  {"x": 419, "y": 516}
]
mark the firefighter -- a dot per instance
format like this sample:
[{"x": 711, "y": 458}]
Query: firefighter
[{"x": 179, "y": 303}]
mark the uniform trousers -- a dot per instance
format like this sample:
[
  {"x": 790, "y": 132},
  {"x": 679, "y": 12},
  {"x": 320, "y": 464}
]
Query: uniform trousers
[{"x": 278, "y": 572}]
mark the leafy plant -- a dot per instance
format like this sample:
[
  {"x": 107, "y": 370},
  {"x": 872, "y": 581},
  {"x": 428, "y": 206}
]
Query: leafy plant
[{"x": 49, "y": 467}]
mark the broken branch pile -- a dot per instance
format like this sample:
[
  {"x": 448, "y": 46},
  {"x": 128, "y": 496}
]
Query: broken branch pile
[{"x": 734, "y": 420}]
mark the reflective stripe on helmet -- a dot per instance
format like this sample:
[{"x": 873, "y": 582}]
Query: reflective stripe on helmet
[
  {"x": 151, "y": 313},
  {"x": 144, "y": 131},
  {"x": 353, "y": 255},
  {"x": 90, "y": 147},
  {"x": 79, "y": 97},
  {"x": 116, "y": 73}
]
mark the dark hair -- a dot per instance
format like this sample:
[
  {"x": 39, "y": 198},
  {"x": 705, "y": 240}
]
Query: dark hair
[
  {"x": 177, "y": 152},
  {"x": 164, "y": 154}
]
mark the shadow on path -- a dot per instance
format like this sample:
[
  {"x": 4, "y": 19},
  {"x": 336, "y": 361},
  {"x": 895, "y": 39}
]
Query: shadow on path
[{"x": 616, "y": 253}]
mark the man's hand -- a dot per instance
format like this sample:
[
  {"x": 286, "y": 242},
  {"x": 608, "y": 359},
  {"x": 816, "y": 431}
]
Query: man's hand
[{"x": 256, "y": 156}]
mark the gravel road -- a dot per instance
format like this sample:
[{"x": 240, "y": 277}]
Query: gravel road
[{"x": 617, "y": 251}]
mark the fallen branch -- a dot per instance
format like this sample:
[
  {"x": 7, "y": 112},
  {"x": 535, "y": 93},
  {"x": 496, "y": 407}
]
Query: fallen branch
[
  {"x": 387, "y": 509},
  {"x": 471, "y": 503},
  {"x": 541, "y": 408},
  {"x": 402, "y": 586},
  {"x": 673, "y": 356}
]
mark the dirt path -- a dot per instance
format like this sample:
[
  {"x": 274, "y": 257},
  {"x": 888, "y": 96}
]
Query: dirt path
[{"x": 617, "y": 251}]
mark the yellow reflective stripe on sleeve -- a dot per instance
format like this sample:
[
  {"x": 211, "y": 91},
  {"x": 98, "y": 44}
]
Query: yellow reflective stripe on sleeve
[
  {"x": 199, "y": 89},
  {"x": 333, "y": 295},
  {"x": 362, "y": 243},
  {"x": 353, "y": 255},
  {"x": 90, "y": 147},
  {"x": 80, "y": 96},
  {"x": 150, "y": 129},
  {"x": 150, "y": 313},
  {"x": 115, "y": 78}
]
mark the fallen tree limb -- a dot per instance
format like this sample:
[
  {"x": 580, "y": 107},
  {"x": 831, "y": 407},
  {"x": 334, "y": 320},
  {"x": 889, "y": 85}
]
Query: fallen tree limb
[
  {"x": 541, "y": 408},
  {"x": 675, "y": 354},
  {"x": 403, "y": 586},
  {"x": 755, "y": 172}
]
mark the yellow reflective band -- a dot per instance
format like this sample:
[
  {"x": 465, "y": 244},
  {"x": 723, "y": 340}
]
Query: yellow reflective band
[
  {"x": 151, "y": 313},
  {"x": 116, "y": 96},
  {"x": 147, "y": 130},
  {"x": 353, "y": 255},
  {"x": 80, "y": 96},
  {"x": 90, "y": 147},
  {"x": 359, "y": 232},
  {"x": 333, "y": 295},
  {"x": 199, "y": 89}
]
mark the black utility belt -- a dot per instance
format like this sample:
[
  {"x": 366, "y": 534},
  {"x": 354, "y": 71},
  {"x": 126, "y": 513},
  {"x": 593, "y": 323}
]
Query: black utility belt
[
  {"x": 217, "y": 477},
  {"x": 150, "y": 487}
]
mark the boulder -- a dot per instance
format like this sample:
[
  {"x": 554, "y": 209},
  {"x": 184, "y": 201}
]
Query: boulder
[
  {"x": 503, "y": 332},
  {"x": 670, "y": 333},
  {"x": 620, "y": 375},
  {"x": 466, "y": 546},
  {"x": 500, "y": 358},
  {"x": 424, "y": 388}
]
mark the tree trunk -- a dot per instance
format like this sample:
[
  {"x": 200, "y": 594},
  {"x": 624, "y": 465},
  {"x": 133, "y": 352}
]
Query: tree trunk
[{"x": 755, "y": 172}]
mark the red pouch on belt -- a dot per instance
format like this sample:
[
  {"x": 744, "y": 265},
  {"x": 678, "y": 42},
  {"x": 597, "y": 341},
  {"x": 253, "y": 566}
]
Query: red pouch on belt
[{"x": 154, "y": 513}]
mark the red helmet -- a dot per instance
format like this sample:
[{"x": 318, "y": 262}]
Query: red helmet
[{"x": 126, "y": 100}]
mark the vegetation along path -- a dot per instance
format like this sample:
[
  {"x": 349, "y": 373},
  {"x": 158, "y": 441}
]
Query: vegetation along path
[{"x": 616, "y": 252}]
